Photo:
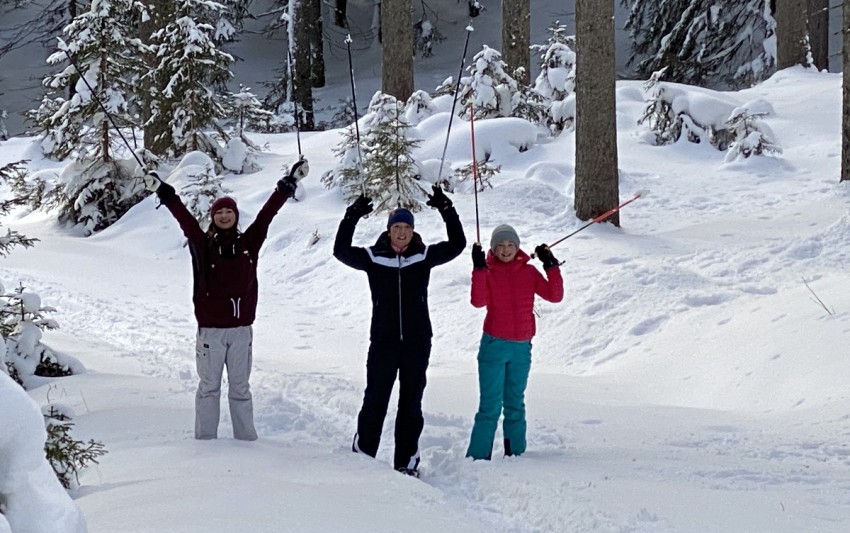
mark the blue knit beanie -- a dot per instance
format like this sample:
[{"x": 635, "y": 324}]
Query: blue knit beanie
[{"x": 400, "y": 215}]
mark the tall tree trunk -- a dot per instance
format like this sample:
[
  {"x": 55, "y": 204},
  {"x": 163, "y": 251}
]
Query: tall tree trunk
[
  {"x": 845, "y": 93},
  {"x": 158, "y": 138},
  {"x": 317, "y": 42},
  {"x": 597, "y": 177},
  {"x": 818, "y": 17},
  {"x": 397, "y": 49},
  {"x": 516, "y": 36},
  {"x": 340, "y": 13},
  {"x": 302, "y": 92},
  {"x": 790, "y": 33}
]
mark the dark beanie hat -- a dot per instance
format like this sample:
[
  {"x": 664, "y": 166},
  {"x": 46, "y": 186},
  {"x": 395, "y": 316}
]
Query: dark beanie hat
[
  {"x": 504, "y": 233},
  {"x": 221, "y": 203},
  {"x": 400, "y": 215}
]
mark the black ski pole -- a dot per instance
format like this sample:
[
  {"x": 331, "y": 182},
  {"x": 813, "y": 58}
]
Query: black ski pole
[
  {"x": 99, "y": 103},
  {"x": 475, "y": 177},
  {"x": 294, "y": 102},
  {"x": 354, "y": 105},
  {"x": 469, "y": 30}
]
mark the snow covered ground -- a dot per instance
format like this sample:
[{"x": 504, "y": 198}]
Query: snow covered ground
[{"x": 688, "y": 383}]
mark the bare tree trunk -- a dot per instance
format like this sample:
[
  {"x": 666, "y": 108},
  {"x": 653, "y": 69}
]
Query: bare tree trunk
[
  {"x": 317, "y": 41},
  {"x": 516, "y": 36},
  {"x": 158, "y": 138},
  {"x": 597, "y": 177},
  {"x": 845, "y": 93},
  {"x": 302, "y": 91},
  {"x": 818, "y": 17},
  {"x": 397, "y": 49},
  {"x": 790, "y": 33},
  {"x": 340, "y": 13}
]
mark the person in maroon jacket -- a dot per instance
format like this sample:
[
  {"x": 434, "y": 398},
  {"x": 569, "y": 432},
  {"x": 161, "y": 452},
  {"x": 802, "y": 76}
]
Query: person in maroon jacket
[
  {"x": 506, "y": 284},
  {"x": 224, "y": 265}
]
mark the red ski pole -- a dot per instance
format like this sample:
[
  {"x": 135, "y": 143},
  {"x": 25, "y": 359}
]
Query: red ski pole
[{"x": 601, "y": 217}]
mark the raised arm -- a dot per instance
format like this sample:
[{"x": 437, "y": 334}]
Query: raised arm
[
  {"x": 445, "y": 251},
  {"x": 353, "y": 256}
]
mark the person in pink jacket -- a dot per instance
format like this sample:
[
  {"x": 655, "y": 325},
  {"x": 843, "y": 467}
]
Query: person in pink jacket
[{"x": 505, "y": 283}]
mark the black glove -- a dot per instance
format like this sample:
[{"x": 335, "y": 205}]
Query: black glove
[
  {"x": 359, "y": 209},
  {"x": 478, "y": 258},
  {"x": 438, "y": 200},
  {"x": 287, "y": 186},
  {"x": 545, "y": 255}
]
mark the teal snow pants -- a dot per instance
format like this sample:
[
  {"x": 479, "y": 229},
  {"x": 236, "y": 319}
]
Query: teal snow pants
[{"x": 503, "y": 368}]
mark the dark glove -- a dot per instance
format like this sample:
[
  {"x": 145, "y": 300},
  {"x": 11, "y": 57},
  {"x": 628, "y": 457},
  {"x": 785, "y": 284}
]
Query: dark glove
[
  {"x": 438, "y": 200},
  {"x": 478, "y": 258},
  {"x": 359, "y": 209},
  {"x": 545, "y": 255},
  {"x": 287, "y": 186}
]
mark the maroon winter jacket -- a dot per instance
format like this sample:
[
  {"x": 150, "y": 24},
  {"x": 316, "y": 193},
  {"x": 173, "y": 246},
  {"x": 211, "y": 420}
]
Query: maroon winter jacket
[
  {"x": 508, "y": 289},
  {"x": 225, "y": 265}
]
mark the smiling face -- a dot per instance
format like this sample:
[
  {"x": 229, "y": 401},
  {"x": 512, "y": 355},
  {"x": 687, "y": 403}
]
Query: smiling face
[
  {"x": 400, "y": 235},
  {"x": 505, "y": 251},
  {"x": 224, "y": 218}
]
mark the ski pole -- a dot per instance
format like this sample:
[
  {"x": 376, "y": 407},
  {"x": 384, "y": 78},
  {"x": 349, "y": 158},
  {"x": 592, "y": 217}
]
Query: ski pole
[
  {"x": 475, "y": 177},
  {"x": 354, "y": 105},
  {"x": 64, "y": 48},
  {"x": 600, "y": 218},
  {"x": 294, "y": 102},
  {"x": 469, "y": 30}
]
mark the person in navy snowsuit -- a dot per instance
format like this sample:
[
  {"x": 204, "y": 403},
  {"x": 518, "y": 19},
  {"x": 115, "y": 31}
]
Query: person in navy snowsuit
[{"x": 399, "y": 267}]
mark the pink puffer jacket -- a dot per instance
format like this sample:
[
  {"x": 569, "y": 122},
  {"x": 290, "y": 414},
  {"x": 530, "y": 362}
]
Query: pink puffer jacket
[{"x": 508, "y": 289}]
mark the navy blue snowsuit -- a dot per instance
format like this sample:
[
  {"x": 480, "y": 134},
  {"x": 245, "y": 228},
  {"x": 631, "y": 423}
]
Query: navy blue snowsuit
[{"x": 400, "y": 333}]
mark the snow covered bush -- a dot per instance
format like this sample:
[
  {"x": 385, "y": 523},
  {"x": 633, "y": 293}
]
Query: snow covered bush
[
  {"x": 95, "y": 193},
  {"x": 201, "y": 185},
  {"x": 676, "y": 112},
  {"x": 31, "y": 497},
  {"x": 13, "y": 175},
  {"x": 751, "y": 135},
  {"x": 244, "y": 113},
  {"x": 488, "y": 89},
  {"x": 67, "y": 457},
  {"x": 22, "y": 320},
  {"x": 463, "y": 177},
  {"x": 418, "y": 107}
]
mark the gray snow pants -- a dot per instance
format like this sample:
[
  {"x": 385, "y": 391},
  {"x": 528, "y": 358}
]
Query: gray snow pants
[{"x": 216, "y": 348}]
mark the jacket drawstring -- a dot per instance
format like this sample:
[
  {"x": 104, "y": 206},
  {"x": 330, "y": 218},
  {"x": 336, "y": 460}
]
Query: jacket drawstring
[{"x": 236, "y": 302}]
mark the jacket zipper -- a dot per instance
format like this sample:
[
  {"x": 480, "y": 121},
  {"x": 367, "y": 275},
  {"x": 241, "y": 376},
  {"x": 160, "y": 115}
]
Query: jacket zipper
[{"x": 400, "y": 318}]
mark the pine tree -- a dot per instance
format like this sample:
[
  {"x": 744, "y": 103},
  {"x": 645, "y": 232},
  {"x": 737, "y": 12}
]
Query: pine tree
[
  {"x": 244, "y": 112},
  {"x": 488, "y": 88},
  {"x": 703, "y": 42},
  {"x": 557, "y": 79},
  {"x": 22, "y": 320},
  {"x": 387, "y": 173},
  {"x": 14, "y": 175},
  {"x": 67, "y": 456},
  {"x": 109, "y": 60},
  {"x": 391, "y": 174},
  {"x": 751, "y": 135},
  {"x": 193, "y": 67},
  {"x": 200, "y": 193}
]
